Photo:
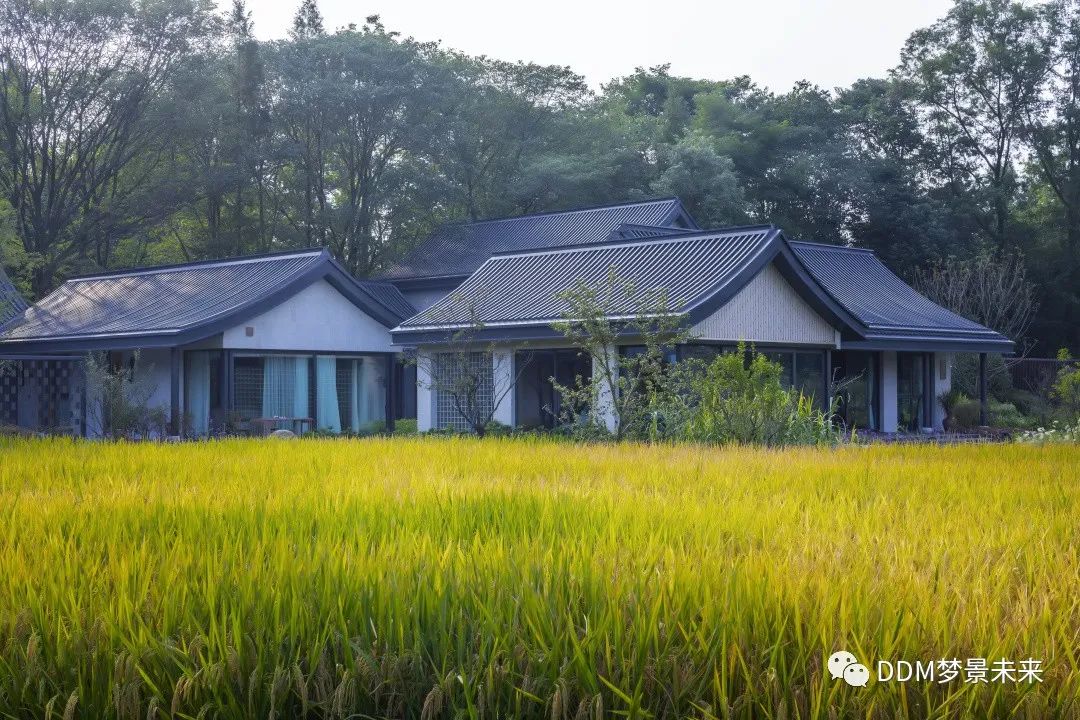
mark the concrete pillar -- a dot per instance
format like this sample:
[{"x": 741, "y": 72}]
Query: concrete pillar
[
  {"x": 889, "y": 419},
  {"x": 605, "y": 400},
  {"x": 425, "y": 396},
  {"x": 942, "y": 371},
  {"x": 502, "y": 376}
]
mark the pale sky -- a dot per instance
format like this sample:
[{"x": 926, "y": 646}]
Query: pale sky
[{"x": 777, "y": 42}]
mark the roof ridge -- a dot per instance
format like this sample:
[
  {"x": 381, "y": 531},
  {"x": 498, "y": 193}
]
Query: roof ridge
[
  {"x": 680, "y": 235},
  {"x": 832, "y": 246},
  {"x": 546, "y": 213},
  {"x": 150, "y": 269}
]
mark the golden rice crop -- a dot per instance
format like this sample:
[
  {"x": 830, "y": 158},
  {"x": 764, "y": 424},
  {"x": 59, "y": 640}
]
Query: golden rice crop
[{"x": 429, "y": 578}]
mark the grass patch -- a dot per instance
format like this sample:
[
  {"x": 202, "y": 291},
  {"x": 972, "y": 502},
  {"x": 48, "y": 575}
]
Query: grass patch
[{"x": 439, "y": 577}]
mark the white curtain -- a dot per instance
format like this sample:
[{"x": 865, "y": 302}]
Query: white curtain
[
  {"x": 367, "y": 394},
  {"x": 326, "y": 400},
  {"x": 285, "y": 386},
  {"x": 198, "y": 392}
]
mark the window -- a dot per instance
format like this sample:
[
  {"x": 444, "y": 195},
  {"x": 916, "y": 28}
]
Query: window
[
  {"x": 802, "y": 371},
  {"x": 536, "y": 402},
  {"x": 911, "y": 406},
  {"x": 857, "y": 375},
  {"x": 463, "y": 381},
  {"x": 330, "y": 393}
]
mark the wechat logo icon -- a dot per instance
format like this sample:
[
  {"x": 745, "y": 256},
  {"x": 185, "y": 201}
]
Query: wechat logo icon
[{"x": 843, "y": 665}]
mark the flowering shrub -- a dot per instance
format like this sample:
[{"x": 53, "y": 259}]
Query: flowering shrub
[{"x": 1056, "y": 433}]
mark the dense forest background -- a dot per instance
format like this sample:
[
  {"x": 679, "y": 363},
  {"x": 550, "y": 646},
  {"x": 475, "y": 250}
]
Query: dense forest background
[{"x": 151, "y": 131}]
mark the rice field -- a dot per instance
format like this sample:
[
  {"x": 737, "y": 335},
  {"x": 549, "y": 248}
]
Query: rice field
[{"x": 439, "y": 578}]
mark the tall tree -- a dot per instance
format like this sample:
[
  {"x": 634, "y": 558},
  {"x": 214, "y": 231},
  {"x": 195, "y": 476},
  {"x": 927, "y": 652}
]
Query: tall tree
[
  {"x": 978, "y": 73},
  {"x": 77, "y": 82}
]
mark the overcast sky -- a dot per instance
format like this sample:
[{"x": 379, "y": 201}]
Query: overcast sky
[{"x": 776, "y": 42}]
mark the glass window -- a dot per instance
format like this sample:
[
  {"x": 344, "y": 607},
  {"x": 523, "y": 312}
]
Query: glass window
[
  {"x": 810, "y": 376},
  {"x": 787, "y": 362},
  {"x": 537, "y": 403},
  {"x": 910, "y": 390},
  {"x": 857, "y": 388},
  {"x": 704, "y": 353}
]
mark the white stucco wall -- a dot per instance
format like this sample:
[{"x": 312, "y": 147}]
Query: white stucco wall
[
  {"x": 318, "y": 318},
  {"x": 767, "y": 310}
]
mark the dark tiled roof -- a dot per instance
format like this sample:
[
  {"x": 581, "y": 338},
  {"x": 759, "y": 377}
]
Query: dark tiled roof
[
  {"x": 180, "y": 301},
  {"x": 885, "y": 304},
  {"x": 11, "y": 302},
  {"x": 457, "y": 249},
  {"x": 390, "y": 297},
  {"x": 523, "y": 288},
  {"x": 629, "y": 231}
]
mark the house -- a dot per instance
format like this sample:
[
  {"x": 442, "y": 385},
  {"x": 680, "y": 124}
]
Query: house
[
  {"x": 286, "y": 340},
  {"x": 822, "y": 311},
  {"x": 291, "y": 339}
]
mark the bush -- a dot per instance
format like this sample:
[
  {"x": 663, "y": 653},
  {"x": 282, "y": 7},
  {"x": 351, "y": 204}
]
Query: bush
[
  {"x": 965, "y": 414},
  {"x": 745, "y": 402},
  {"x": 1066, "y": 390},
  {"x": 1056, "y": 433},
  {"x": 405, "y": 426},
  {"x": 1005, "y": 415}
]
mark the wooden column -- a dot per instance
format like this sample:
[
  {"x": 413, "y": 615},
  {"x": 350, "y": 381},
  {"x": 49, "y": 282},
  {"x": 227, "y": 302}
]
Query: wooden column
[{"x": 982, "y": 389}]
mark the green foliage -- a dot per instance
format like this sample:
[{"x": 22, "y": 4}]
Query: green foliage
[
  {"x": 637, "y": 389},
  {"x": 742, "y": 400},
  {"x": 362, "y": 140},
  {"x": 1066, "y": 389},
  {"x": 119, "y": 399}
]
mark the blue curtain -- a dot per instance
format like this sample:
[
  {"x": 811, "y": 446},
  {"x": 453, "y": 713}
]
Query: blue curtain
[
  {"x": 198, "y": 392},
  {"x": 326, "y": 400},
  {"x": 285, "y": 387}
]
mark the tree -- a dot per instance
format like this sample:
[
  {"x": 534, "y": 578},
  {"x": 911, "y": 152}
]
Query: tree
[
  {"x": 992, "y": 289},
  {"x": 77, "y": 85},
  {"x": 703, "y": 179},
  {"x": 978, "y": 73},
  {"x": 469, "y": 373},
  {"x": 626, "y": 390}
]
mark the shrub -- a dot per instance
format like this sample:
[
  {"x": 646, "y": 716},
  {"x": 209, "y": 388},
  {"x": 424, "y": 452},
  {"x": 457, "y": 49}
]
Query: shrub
[
  {"x": 745, "y": 402},
  {"x": 965, "y": 414},
  {"x": 1056, "y": 433},
  {"x": 1066, "y": 389},
  {"x": 1006, "y": 415}
]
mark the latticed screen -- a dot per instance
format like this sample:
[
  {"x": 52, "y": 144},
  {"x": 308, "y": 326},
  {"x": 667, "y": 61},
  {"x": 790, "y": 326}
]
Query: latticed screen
[
  {"x": 42, "y": 395},
  {"x": 462, "y": 380}
]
